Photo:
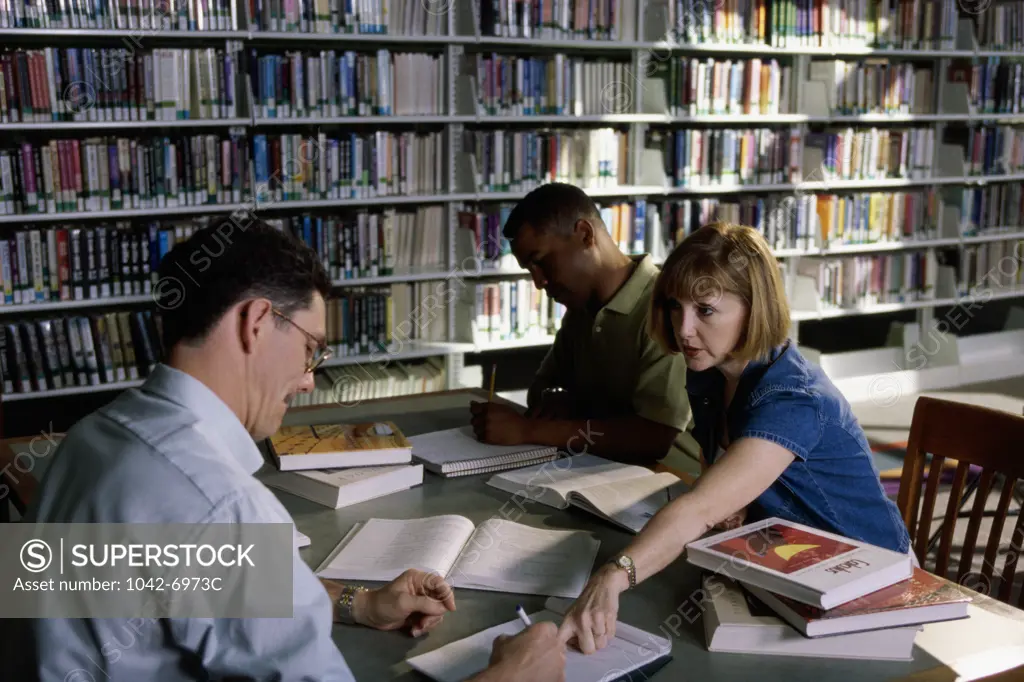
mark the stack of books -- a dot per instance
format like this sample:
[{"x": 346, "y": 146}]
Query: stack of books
[
  {"x": 778, "y": 587},
  {"x": 339, "y": 465}
]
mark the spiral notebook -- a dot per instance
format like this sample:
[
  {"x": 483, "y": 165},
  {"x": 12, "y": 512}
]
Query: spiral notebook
[{"x": 457, "y": 452}]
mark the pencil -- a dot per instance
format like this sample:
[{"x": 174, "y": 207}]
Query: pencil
[{"x": 494, "y": 370}]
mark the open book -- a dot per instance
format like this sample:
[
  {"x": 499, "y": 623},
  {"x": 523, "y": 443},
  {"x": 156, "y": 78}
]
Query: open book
[
  {"x": 499, "y": 555},
  {"x": 623, "y": 494},
  {"x": 631, "y": 651}
]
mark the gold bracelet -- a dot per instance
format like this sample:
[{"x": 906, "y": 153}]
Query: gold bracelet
[{"x": 346, "y": 601}]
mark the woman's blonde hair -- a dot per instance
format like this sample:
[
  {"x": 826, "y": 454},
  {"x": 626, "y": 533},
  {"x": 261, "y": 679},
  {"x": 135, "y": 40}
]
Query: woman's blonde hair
[{"x": 713, "y": 260}]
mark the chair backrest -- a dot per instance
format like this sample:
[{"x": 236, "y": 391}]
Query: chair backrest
[
  {"x": 18, "y": 480},
  {"x": 986, "y": 442}
]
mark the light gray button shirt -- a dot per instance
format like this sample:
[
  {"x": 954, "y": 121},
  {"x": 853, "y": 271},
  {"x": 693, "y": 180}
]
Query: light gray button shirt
[{"x": 171, "y": 451}]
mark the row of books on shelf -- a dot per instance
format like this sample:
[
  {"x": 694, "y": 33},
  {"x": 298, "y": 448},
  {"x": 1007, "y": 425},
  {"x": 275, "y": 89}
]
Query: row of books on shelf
[
  {"x": 348, "y": 17},
  {"x": 697, "y": 158},
  {"x": 152, "y": 172},
  {"x": 559, "y": 20},
  {"x": 90, "y": 84},
  {"x": 873, "y": 86},
  {"x": 903, "y": 24},
  {"x": 994, "y": 84},
  {"x": 865, "y": 281},
  {"x": 509, "y": 310},
  {"x": 555, "y": 84},
  {"x": 382, "y": 377},
  {"x": 991, "y": 207},
  {"x": 706, "y": 86},
  {"x": 379, "y": 321},
  {"x": 514, "y": 160},
  {"x": 115, "y": 173},
  {"x": 80, "y": 350},
  {"x": 991, "y": 150},
  {"x": 293, "y": 167},
  {"x": 373, "y": 244},
  {"x": 301, "y": 84}
]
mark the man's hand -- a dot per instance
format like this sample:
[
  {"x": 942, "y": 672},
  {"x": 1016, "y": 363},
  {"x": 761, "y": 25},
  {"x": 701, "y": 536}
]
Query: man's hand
[
  {"x": 415, "y": 600},
  {"x": 533, "y": 655},
  {"x": 498, "y": 424}
]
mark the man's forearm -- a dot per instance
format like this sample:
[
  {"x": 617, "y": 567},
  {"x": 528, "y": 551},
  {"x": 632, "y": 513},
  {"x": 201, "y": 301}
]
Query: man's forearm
[{"x": 632, "y": 439}]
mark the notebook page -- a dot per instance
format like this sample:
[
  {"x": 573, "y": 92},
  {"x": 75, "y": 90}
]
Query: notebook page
[
  {"x": 382, "y": 549},
  {"x": 505, "y": 556},
  {"x": 459, "y": 445},
  {"x": 459, "y": 660},
  {"x": 564, "y": 475}
]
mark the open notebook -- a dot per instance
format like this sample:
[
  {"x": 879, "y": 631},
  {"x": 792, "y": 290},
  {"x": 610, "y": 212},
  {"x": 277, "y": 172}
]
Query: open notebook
[
  {"x": 633, "y": 654},
  {"x": 457, "y": 452},
  {"x": 623, "y": 494},
  {"x": 499, "y": 555}
]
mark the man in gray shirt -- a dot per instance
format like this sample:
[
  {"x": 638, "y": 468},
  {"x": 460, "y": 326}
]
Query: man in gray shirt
[{"x": 244, "y": 329}]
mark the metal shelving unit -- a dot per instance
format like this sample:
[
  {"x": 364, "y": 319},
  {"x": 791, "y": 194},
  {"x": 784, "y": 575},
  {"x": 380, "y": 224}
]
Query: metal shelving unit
[{"x": 462, "y": 35}]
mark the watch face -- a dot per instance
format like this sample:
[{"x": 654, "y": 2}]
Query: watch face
[{"x": 625, "y": 561}]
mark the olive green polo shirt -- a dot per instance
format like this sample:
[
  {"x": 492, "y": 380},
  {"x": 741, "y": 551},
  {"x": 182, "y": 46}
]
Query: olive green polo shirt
[{"x": 612, "y": 367}]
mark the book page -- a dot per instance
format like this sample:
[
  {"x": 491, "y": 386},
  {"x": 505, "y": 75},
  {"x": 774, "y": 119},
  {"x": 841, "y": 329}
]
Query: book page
[
  {"x": 505, "y": 556},
  {"x": 382, "y": 549},
  {"x": 563, "y": 475},
  {"x": 633, "y": 501},
  {"x": 464, "y": 658},
  {"x": 341, "y": 477}
]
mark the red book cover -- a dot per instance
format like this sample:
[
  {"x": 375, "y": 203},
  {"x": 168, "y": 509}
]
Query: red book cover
[
  {"x": 922, "y": 589},
  {"x": 783, "y": 548}
]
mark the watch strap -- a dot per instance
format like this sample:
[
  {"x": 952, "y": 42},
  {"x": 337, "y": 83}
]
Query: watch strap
[{"x": 345, "y": 602}]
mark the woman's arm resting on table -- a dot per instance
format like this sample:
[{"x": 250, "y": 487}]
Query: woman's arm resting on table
[{"x": 746, "y": 470}]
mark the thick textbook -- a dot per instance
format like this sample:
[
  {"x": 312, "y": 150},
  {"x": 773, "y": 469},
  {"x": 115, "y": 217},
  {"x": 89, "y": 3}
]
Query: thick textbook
[
  {"x": 337, "y": 488},
  {"x": 925, "y": 598},
  {"x": 737, "y": 622},
  {"x": 805, "y": 564},
  {"x": 332, "y": 446},
  {"x": 498, "y": 555},
  {"x": 457, "y": 452},
  {"x": 631, "y": 656},
  {"x": 623, "y": 494}
]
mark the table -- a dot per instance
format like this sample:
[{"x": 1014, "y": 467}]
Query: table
[{"x": 988, "y": 643}]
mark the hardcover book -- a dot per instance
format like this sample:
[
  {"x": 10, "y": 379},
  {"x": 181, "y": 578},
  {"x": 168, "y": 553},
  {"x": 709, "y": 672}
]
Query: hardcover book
[
  {"x": 333, "y": 446},
  {"x": 805, "y": 564},
  {"x": 924, "y": 598}
]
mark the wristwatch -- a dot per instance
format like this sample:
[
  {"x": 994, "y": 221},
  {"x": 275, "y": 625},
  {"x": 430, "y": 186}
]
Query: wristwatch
[
  {"x": 346, "y": 601},
  {"x": 625, "y": 562}
]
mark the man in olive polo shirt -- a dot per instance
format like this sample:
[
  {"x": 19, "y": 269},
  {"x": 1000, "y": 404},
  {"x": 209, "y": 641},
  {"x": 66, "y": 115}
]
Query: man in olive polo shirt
[{"x": 604, "y": 387}]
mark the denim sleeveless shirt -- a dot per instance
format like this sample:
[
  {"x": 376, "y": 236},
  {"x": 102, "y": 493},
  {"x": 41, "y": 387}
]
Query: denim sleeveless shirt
[{"x": 832, "y": 484}]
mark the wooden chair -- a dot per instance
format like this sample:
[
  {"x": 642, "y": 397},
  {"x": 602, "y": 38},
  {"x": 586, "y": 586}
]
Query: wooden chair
[{"x": 971, "y": 435}]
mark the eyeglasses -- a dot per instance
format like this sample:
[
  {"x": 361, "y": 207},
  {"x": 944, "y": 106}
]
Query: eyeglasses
[{"x": 321, "y": 350}]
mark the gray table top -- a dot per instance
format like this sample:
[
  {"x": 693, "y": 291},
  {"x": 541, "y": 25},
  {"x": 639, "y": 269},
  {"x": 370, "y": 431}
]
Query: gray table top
[{"x": 375, "y": 656}]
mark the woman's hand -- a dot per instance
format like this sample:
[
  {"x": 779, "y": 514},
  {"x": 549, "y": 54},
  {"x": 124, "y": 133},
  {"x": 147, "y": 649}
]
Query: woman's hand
[{"x": 591, "y": 619}]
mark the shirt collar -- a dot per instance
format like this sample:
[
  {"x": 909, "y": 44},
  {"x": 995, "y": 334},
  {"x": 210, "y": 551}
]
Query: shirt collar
[
  {"x": 711, "y": 380},
  {"x": 629, "y": 294},
  {"x": 214, "y": 419}
]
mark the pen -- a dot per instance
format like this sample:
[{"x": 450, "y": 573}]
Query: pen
[
  {"x": 523, "y": 617},
  {"x": 494, "y": 370}
]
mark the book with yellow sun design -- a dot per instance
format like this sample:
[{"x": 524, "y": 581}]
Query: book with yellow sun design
[{"x": 805, "y": 564}]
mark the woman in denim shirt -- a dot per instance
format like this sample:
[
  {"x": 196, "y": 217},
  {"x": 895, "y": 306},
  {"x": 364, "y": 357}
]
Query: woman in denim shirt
[{"x": 778, "y": 438}]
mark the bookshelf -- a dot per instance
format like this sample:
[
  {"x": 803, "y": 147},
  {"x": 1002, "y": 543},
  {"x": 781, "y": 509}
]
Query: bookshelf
[{"x": 288, "y": 110}]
